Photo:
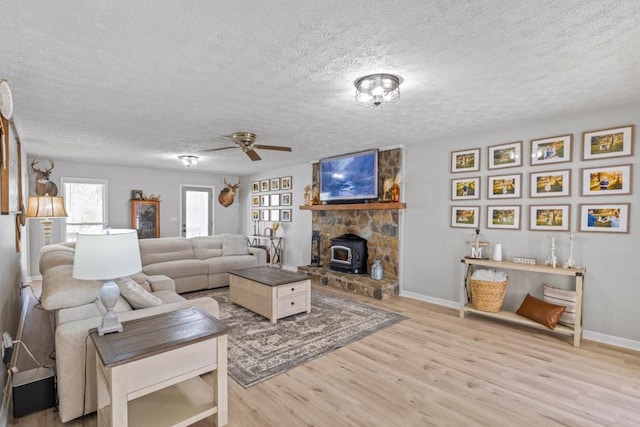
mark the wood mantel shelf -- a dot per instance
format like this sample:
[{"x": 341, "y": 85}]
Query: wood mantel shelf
[{"x": 355, "y": 206}]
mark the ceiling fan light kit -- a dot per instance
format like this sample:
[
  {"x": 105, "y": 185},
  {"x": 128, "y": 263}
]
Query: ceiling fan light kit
[
  {"x": 378, "y": 89},
  {"x": 188, "y": 160}
]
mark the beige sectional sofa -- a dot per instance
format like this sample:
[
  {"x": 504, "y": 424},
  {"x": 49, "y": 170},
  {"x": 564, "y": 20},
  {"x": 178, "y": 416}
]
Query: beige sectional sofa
[{"x": 170, "y": 266}]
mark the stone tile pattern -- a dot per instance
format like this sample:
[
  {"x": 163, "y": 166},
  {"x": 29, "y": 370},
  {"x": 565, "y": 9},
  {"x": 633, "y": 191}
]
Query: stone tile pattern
[
  {"x": 360, "y": 284},
  {"x": 379, "y": 227}
]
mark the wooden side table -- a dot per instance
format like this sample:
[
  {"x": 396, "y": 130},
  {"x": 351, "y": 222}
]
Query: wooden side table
[{"x": 149, "y": 374}]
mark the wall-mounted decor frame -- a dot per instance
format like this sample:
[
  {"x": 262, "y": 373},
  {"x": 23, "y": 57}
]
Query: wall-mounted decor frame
[
  {"x": 264, "y": 214},
  {"x": 505, "y": 155},
  {"x": 285, "y": 199},
  {"x": 503, "y": 217},
  {"x": 264, "y": 185},
  {"x": 465, "y": 160},
  {"x": 605, "y": 218},
  {"x": 275, "y": 200},
  {"x": 465, "y": 188},
  {"x": 465, "y": 216},
  {"x": 137, "y": 195},
  {"x": 285, "y": 215},
  {"x": 255, "y": 214},
  {"x": 549, "y": 217},
  {"x": 264, "y": 200},
  {"x": 607, "y": 143},
  {"x": 286, "y": 183},
  {"x": 255, "y": 186},
  {"x": 275, "y": 184},
  {"x": 504, "y": 186},
  {"x": 274, "y": 215},
  {"x": 4, "y": 167},
  {"x": 550, "y": 183},
  {"x": 607, "y": 180},
  {"x": 555, "y": 149},
  {"x": 255, "y": 201}
]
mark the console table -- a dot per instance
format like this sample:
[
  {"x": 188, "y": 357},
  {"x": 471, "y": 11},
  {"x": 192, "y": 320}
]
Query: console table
[
  {"x": 149, "y": 374},
  {"x": 274, "y": 245},
  {"x": 577, "y": 273}
]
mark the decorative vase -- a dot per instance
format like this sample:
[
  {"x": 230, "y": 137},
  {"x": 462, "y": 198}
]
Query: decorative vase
[{"x": 377, "y": 271}]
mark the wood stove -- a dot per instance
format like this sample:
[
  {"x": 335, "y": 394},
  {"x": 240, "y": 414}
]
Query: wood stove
[{"x": 349, "y": 254}]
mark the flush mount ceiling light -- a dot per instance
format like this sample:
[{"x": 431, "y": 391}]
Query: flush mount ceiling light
[
  {"x": 378, "y": 89},
  {"x": 188, "y": 160}
]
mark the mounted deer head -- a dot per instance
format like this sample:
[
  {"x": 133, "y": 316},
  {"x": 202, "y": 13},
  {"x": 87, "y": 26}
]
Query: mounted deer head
[
  {"x": 228, "y": 193},
  {"x": 43, "y": 185}
]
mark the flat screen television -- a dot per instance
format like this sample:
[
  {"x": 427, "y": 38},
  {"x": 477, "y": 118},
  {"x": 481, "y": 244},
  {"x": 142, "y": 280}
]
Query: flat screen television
[{"x": 349, "y": 178}]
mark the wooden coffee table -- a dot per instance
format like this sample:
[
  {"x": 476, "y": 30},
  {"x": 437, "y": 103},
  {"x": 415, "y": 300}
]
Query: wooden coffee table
[{"x": 270, "y": 292}]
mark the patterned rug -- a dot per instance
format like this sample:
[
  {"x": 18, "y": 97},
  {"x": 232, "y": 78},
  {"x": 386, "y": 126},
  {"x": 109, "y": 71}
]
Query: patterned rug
[{"x": 259, "y": 350}]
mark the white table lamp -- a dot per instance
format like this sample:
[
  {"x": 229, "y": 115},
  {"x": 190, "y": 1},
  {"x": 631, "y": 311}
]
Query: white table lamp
[{"x": 107, "y": 255}]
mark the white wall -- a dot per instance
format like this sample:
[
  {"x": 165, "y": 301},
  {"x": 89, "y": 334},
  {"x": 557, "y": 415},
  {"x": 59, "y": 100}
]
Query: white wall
[
  {"x": 297, "y": 233},
  {"x": 121, "y": 180},
  {"x": 432, "y": 250}
]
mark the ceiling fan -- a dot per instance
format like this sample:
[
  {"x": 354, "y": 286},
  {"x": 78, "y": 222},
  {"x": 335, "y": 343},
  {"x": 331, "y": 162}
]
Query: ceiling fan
[{"x": 246, "y": 141}]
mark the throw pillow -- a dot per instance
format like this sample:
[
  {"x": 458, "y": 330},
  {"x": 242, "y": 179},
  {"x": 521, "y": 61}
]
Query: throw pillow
[
  {"x": 540, "y": 311},
  {"x": 563, "y": 297},
  {"x": 136, "y": 295},
  {"x": 234, "y": 244}
]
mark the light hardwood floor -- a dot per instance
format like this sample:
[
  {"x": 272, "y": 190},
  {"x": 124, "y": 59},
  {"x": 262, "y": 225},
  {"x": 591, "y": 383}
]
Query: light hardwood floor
[{"x": 432, "y": 369}]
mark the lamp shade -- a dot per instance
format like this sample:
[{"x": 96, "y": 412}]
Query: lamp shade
[
  {"x": 46, "y": 207},
  {"x": 106, "y": 255}
]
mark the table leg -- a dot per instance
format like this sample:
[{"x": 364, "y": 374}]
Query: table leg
[
  {"x": 117, "y": 411},
  {"x": 220, "y": 385}
]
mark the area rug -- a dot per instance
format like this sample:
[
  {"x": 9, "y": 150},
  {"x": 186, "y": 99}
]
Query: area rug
[{"x": 259, "y": 350}]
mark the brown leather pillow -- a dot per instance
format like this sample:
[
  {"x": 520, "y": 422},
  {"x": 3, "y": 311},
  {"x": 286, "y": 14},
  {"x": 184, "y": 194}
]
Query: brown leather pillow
[{"x": 540, "y": 311}]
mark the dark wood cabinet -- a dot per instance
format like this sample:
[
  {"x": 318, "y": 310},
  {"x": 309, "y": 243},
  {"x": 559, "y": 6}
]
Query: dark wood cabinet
[{"x": 145, "y": 217}]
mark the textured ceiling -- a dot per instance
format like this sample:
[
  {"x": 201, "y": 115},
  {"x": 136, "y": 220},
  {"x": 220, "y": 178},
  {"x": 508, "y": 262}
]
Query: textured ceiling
[{"x": 141, "y": 82}]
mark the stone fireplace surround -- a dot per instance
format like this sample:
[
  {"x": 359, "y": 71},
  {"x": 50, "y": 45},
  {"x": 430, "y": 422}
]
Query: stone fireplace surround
[{"x": 378, "y": 225}]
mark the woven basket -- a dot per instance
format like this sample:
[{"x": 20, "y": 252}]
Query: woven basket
[{"x": 487, "y": 296}]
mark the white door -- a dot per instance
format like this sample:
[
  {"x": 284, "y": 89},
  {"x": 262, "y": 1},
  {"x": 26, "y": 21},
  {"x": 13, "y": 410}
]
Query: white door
[{"x": 197, "y": 211}]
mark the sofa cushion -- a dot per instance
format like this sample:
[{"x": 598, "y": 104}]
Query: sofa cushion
[
  {"x": 228, "y": 263},
  {"x": 136, "y": 295},
  {"x": 176, "y": 269},
  {"x": 205, "y": 247},
  {"x": 61, "y": 290},
  {"x": 50, "y": 259},
  {"x": 153, "y": 251},
  {"x": 168, "y": 296},
  {"x": 234, "y": 244}
]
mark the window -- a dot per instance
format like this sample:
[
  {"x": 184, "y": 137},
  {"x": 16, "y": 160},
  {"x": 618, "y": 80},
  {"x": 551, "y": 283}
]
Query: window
[{"x": 86, "y": 204}]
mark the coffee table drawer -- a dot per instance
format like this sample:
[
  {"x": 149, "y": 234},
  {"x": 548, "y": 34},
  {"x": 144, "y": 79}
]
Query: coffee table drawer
[
  {"x": 291, "y": 289},
  {"x": 292, "y": 305}
]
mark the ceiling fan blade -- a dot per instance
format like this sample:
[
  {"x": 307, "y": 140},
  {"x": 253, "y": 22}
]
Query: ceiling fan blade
[
  {"x": 217, "y": 149},
  {"x": 272, "y": 147},
  {"x": 253, "y": 155}
]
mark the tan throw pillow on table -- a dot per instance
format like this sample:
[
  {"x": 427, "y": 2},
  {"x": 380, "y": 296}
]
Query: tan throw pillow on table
[
  {"x": 540, "y": 311},
  {"x": 234, "y": 244},
  {"x": 136, "y": 295}
]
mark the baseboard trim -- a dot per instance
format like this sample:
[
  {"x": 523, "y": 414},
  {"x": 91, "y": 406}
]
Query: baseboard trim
[
  {"x": 4, "y": 409},
  {"x": 588, "y": 335},
  {"x": 30, "y": 279}
]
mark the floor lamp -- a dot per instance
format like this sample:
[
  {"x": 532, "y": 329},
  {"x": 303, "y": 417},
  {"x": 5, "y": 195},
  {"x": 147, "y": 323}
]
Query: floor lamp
[
  {"x": 46, "y": 207},
  {"x": 107, "y": 255}
]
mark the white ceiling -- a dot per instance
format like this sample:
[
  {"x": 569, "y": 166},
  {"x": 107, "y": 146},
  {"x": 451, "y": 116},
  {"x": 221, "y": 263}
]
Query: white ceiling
[{"x": 140, "y": 82}]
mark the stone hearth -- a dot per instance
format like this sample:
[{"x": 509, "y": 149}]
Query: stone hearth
[{"x": 360, "y": 284}]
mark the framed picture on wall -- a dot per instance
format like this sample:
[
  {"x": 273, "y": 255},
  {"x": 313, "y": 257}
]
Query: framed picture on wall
[
  {"x": 264, "y": 200},
  {"x": 465, "y": 216},
  {"x": 255, "y": 214},
  {"x": 549, "y": 217},
  {"x": 607, "y": 180},
  {"x": 505, "y": 155},
  {"x": 607, "y": 143},
  {"x": 255, "y": 186},
  {"x": 465, "y": 160},
  {"x": 264, "y": 214},
  {"x": 275, "y": 184},
  {"x": 465, "y": 188},
  {"x": 504, "y": 186},
  {"x": 255, "y": 201},
  {"x": 285, "y": 215},
  {"x": 285, "y": 199},
  {"x": 275, "y": 200},
  {"x": 264, "y": 185},
  {"x": 275, "y": 215},
  {"x": 555, "y": 149},
  {"x": 605, "y": 218},
  {"x": 285, "y": 183},
  {"x": 550, "y": 183},
  {"x": 504, "y": 217}
]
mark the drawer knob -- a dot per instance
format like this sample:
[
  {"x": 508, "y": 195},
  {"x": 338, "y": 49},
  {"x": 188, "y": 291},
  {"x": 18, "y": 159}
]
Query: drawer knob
[
  {"x": 293, "y": 303},
  {"x": 293, "y": 289}
]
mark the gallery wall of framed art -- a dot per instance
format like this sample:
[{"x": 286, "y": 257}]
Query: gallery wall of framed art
[
  {"x": 271, "y": 199},
  {"x": 603, "y": 171}
]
